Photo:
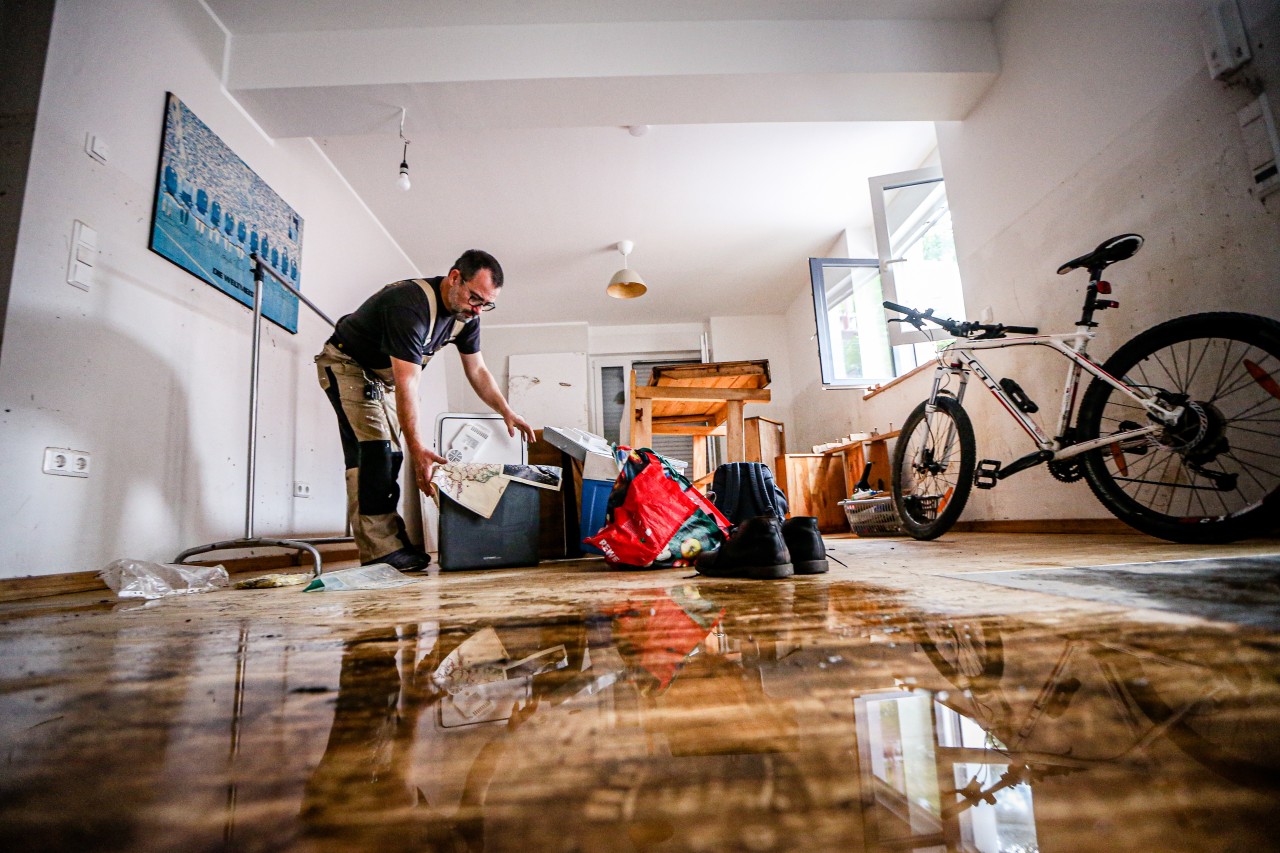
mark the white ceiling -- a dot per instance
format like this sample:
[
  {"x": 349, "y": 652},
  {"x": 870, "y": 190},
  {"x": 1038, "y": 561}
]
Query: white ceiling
[{"x": 766, "y": 119}]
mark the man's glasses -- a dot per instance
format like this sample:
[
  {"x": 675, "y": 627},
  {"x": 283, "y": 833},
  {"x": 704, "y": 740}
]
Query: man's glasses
[{"x": 477, "y": 301}]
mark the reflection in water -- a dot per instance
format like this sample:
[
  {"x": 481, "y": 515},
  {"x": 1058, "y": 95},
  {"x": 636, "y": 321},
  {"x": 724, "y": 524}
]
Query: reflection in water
[
  {"x": 396, "y": 683},
  {"x": 707, "y": 716}
]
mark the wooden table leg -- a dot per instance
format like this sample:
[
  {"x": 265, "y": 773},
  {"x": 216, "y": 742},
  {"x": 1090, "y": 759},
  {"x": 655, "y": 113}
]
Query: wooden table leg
[
  {"x": 642, "y": 425},
  {"x": 699, "y": 461},
  {"x": 735, "y": 449}
]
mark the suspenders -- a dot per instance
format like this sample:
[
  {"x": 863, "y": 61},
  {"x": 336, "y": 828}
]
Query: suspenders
[{"x": 432, "y": 300}]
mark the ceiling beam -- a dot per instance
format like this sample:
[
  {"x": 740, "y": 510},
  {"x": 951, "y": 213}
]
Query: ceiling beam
[{"x": 335, "y": 83}]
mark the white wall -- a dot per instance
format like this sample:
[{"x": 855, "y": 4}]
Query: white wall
[
  {"x": 1104, "y": 120},
  {"x": 149, "y": 370},
  {"x": 750, "y": 339},
  {"x": 818, "y": 414},
  {"x": 646, "y": 338},
  {"x": 497, "y": 344}
]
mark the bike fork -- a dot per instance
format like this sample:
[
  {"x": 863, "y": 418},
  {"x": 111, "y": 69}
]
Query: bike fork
[{"x": 939, "y": 379}]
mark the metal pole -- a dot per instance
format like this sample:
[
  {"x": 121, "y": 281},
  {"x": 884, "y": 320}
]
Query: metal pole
[
  {"x": 249, "y": 540},
  {"x": 253, "y": 397},
  {"x": 289, "y": 287}
]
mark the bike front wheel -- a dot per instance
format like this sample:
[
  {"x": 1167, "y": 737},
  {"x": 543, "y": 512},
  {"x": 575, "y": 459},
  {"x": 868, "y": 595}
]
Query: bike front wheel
[
  {"x": 933, "y": 462},
  {"x": 1214, "y": 476}
]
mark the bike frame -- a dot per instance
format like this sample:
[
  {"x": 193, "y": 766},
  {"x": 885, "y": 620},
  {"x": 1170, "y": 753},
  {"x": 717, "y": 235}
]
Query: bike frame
[{"x": 958, "y": 359}]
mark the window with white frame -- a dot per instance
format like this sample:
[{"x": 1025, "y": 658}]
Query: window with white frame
[
  {"x": 916, "y": 267},
  {"x": 853, "y": 342}
]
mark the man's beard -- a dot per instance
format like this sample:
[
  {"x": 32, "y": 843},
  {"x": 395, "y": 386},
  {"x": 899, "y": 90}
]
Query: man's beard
[{"x": 462, "y": 316}]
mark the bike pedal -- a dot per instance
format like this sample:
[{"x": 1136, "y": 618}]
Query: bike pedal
[{"x": 987, "y": 474}]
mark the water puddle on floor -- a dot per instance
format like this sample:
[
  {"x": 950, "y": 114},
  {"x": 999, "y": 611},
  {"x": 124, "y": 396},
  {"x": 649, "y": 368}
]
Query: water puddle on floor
[{"x": 794, "y": 715}]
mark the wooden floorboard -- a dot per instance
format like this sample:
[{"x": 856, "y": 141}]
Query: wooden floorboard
[{"x": 63, "y": 583}]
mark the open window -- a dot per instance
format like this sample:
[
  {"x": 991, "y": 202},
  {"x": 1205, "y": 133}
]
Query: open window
[
  {"x": 853, "y": 342},
  {"x": 917, "y": 255},
  {"x": 916, "y": 267}
]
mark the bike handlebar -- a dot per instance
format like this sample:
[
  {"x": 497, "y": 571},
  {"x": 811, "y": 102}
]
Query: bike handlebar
[{"x": 965, "y": 329}]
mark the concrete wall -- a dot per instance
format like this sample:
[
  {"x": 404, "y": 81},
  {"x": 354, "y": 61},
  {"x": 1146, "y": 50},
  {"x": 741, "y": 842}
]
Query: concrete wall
[
  {"x": 148, "y": 371},
  {"x": 1103, "y": 121}
]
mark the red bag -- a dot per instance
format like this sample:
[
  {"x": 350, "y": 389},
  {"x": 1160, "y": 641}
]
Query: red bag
[{"x": 655, "y": 517}]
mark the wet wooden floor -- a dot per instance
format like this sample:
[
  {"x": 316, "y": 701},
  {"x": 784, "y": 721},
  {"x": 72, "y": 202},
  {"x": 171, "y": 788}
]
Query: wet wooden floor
[{"x": 892, "y": 704}]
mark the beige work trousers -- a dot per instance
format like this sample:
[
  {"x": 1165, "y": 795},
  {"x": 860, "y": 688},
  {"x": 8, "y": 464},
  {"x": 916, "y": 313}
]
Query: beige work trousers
[{"x": 365, "y": 403}]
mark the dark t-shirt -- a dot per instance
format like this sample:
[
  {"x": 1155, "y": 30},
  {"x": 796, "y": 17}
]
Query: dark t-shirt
[{"x": 396, "y": 321}]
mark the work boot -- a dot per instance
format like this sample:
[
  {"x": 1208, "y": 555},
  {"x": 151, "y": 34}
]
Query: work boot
[
  {"x": 404, "y": 559},
  {"x": 808, "y": 553},
  {"x": 755, "y": 550}
]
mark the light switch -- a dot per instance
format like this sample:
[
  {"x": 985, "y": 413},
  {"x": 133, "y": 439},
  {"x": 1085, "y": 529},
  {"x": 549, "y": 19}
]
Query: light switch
[
  {"x": 84, "y": 255},
  {"x": 1261, "y": 144},
  {"x": 1222, "y": 33}
]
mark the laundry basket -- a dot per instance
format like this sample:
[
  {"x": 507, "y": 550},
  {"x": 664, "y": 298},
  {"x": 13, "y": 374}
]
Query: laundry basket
[
  {"x": 877, "y": 517},
  {"x": 872, "y": 516}
]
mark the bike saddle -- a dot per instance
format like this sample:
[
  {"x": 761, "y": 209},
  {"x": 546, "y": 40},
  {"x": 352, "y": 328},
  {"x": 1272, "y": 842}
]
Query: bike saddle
[{"x": 1108, "y": 252}]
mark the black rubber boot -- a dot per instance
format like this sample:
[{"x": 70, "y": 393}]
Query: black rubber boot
[
  {"x": 405, "y": 559},
  {"x": 808, "y": 553},
  {"x": 755, "y": 550}
]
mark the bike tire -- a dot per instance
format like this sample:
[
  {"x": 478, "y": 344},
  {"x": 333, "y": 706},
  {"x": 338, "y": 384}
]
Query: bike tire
[
  {"x": 967, "y": 653},
  {"x": 933, "y": 462},
  {"x": 1214, "y": 476}
]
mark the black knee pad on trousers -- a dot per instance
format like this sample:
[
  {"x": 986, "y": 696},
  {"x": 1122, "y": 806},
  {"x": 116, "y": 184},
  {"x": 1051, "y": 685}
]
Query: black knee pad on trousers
[{"x": 378, "y": 489}]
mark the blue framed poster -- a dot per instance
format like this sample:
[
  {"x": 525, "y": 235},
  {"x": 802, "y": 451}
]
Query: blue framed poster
[{"x": 212, "y": 212}]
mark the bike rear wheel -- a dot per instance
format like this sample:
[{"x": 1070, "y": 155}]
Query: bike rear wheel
[
  {"x": 1215, "y": 475},
  {"x": 933, "y": 461}
]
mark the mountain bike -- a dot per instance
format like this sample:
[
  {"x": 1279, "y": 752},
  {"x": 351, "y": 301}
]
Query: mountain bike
[{"x": 1177, "y": 433}]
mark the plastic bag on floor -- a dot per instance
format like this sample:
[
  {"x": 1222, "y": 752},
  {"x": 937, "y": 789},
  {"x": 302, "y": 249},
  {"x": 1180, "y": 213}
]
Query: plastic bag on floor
[{"x": 141, "y": 579}]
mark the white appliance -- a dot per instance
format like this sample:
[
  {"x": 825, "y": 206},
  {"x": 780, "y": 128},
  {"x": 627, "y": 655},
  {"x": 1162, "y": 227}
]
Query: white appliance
[
  {"x": 472, "y": 437},
  {"x": 478, "y": 437},
  {"x": 510, "y": 536}
]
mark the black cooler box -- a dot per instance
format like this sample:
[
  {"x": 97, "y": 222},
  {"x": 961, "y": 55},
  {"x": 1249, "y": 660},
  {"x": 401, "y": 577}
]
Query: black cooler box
[{"x": 507, "y": 538}]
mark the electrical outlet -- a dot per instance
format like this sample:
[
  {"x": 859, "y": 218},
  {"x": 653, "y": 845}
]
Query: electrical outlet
[
  {"x": 301, "y": 489},
  {"x": 66, "y": 462}
]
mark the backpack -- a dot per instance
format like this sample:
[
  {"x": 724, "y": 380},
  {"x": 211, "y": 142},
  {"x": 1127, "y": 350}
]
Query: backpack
[{"x": 742, "y": 490}]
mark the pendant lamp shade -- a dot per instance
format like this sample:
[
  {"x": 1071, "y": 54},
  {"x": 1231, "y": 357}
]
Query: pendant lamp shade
[{"x": 626, "y": 282}]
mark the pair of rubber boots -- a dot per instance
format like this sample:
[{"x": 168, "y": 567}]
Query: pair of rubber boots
[{"x": 766, "y": 548}]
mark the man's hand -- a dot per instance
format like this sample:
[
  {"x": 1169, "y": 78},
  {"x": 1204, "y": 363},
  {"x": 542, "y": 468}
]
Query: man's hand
[
  {"x": 424, "y": 462},
  {"x": 515, "y": 422}
]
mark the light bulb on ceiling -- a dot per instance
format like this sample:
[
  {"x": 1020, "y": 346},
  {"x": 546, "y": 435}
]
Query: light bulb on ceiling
[
  {"x": 626, "y": 283},
  {"x": 403, "y": 181}
]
